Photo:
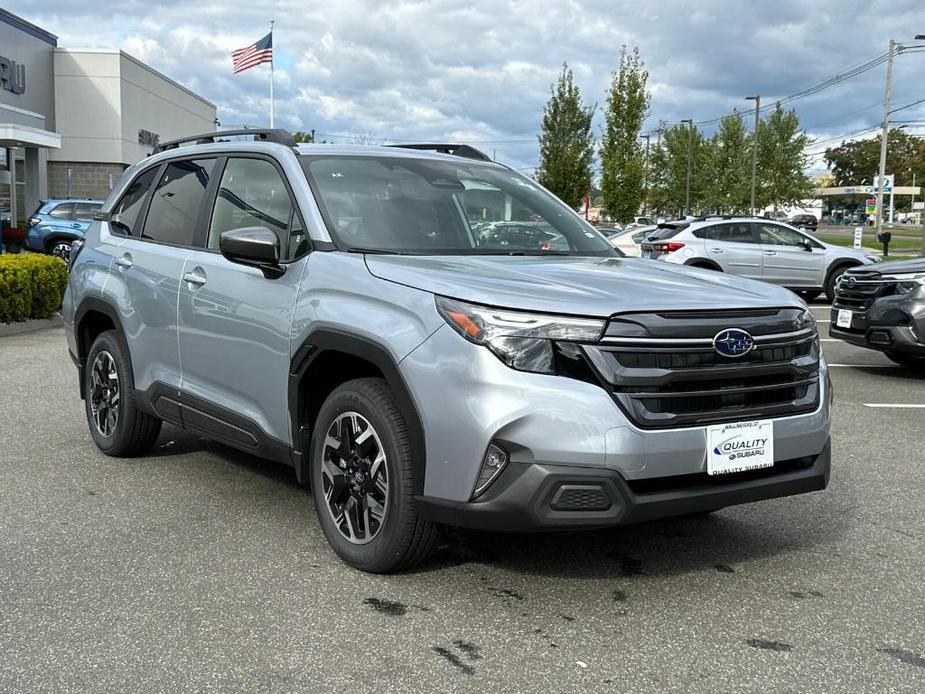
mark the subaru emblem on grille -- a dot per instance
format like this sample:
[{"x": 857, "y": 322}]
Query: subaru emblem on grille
[
  {"x": 851, "y": 281},
  {"x": 733, "y": 342}
]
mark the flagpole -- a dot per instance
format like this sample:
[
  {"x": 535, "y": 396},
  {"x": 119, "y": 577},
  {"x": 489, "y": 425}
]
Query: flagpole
[{"x": 271, "y": 73}]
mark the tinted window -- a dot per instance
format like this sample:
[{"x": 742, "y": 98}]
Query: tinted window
[
  {"x": 774, "y": 235},
  {"x": 62, "y": 211},
  {"x": 740, "y": 232},
  {"x": 125, "y": 213},
  {"x": 175, "y": 205},
  {"x": 663, "y": 233},
  {"x": 252, "y": 194},
  {"x": 84, "y": 211}
]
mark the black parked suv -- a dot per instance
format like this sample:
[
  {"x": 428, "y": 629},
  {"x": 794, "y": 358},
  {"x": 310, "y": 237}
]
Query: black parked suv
[
  {"x": 882, "y": 307},
  {"x": 804, "y": 221}
]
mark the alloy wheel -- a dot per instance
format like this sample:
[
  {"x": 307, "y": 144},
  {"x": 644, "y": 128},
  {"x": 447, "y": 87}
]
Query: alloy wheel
[
  {"x": 355, "y": 478},
  {"x": 61, "y": 249},
  {"x": 104, "y": 393}
]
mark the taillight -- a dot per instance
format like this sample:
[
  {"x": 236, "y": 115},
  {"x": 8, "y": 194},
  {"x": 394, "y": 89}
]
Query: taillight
[
  {"x": 33, "y": 221},
  {"x": 667, "y": 246}
]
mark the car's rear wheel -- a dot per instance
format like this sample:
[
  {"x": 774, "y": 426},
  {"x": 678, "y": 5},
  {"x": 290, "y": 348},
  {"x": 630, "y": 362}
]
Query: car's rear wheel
[
  {"x": 362, "y": 480},
  {"x": 60, "y": 248},
  {"x": 906, "y": 359},
  {"x": 118, "y": 427}
]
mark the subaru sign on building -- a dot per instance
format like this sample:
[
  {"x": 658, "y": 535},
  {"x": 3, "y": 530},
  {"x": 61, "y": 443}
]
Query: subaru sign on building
[{"x": 72, "y": 120}]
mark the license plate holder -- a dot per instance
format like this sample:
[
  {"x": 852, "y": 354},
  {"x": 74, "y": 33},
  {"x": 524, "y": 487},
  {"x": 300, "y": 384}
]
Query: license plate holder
[
  {"x": 740, "y": 446},
  {"x": 844, "y": 318}
]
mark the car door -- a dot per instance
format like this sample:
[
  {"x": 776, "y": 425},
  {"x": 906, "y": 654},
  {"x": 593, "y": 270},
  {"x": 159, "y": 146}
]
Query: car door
[
  {"x": 734, "y": 247},
  {"x": 791, "y": 258},
  {"x": 158, "y": 216},
  {"x": 234, "y": 322}
]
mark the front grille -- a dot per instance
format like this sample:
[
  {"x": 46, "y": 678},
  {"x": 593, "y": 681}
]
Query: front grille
[
  {"x": 682, "y": 381},
  {"x": 867, "y": 289}
]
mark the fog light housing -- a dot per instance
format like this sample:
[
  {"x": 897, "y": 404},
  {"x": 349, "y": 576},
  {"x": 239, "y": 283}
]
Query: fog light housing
[{"x": 495, "y": 460}]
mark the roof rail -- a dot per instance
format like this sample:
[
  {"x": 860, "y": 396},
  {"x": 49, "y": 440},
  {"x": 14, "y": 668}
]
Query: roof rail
[
  {"x": 457, "y": 150},
  {"x": 277, "y": 135},
  {"x": 705, "y": 217}
]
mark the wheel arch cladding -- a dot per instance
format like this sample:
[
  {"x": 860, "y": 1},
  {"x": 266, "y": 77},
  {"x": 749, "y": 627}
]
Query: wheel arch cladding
[
  {"x": 93, "y": 316},
  {"x": 325, "y": 360}
]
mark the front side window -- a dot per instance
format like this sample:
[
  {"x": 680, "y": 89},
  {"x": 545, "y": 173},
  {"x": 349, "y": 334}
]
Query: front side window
[
  {"x": 176, "y": 201},
  {"x": 252, "y": 193},
  {"x": 775, "y": 235},
  {"x": 62, "y": 211},
  {"x": 429, "y": 206},
  {"x": 125, "y": 213}
]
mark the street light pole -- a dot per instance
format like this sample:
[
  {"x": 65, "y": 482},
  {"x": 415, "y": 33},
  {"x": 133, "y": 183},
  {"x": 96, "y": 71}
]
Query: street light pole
[
  {"x": 921, "y": 37},
  {"x": 887, "y": 94},
  {"x": 757, "y": 100},
  {"x": 687, "y": 188}
]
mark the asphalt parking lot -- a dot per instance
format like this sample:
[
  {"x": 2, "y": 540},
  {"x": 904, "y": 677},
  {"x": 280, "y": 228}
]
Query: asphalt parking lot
[{"x": 201, "y": 569}]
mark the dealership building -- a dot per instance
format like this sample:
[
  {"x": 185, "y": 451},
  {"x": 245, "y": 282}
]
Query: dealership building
[{"x": 72, "y": 120}]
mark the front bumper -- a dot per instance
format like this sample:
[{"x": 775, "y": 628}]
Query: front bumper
[
  {"x": 895, "y": 323},
  {"x": 555, "y": 497}
]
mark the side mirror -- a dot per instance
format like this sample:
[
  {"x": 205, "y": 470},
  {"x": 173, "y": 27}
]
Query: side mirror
[
  {"x": 807, "y": 245},
  {"x": 255, "y": 247},
  {"x": 118, "y": 222}
]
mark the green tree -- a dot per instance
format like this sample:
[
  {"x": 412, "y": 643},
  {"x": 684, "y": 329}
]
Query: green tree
[
  {"x": 668, "y": 167},
  {"x": 857, "y": 162},
  {"x": 566, "y": 144},
  {"x": 782, "y": 160},
  {"x": 728, "y": 167},
  {"x": 622, "y": 160}
]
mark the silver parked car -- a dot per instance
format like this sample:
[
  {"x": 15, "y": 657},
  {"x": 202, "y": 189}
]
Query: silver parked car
[
  {"x": 757, "y": 248},
  {"x": 354, "y": 312}
]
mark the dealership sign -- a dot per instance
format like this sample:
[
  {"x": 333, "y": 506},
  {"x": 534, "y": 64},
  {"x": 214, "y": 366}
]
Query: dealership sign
[
  {"x": 12, "y": 76},
  {"x": 146, "y": 137}
]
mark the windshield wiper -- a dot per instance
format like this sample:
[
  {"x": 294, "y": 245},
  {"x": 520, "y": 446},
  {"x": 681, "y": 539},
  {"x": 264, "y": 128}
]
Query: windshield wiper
[{"x": 373, "y": 251}]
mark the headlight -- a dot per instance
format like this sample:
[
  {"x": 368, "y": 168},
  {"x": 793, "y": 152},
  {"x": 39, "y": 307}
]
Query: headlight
[
  {"x": 806, "y": 320},
  {"x": 523, "y": 341},
  {"x": 906, "y": 281}
]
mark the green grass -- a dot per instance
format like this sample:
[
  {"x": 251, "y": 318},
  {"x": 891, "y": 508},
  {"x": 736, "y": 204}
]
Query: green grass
[{"x": 870, "y": 243}]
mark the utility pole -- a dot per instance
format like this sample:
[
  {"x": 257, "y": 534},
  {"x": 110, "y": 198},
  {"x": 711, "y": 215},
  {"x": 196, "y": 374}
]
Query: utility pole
[
  {"x": 920, "y": 37},
  {"x": 887, "y": 93},
  {"x": 645, "y": 178},
  {"x": 687, "y": 188},
  {"x": 757, "y": 100}
]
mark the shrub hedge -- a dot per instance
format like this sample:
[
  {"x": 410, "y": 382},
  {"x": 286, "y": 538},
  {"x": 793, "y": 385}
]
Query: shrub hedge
[{"x": 31, "y": 286}]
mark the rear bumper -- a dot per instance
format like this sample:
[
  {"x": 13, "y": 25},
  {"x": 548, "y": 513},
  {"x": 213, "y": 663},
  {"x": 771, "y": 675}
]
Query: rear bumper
[{"x": 554, "y": 497}]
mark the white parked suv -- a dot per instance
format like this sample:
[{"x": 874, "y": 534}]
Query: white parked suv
[{"x": 757, "y": 248}]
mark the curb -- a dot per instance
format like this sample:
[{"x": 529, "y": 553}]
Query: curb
[{"x": 29, "y": 326}]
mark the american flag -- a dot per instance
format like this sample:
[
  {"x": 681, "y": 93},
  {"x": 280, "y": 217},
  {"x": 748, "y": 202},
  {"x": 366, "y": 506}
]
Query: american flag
[{"x": 256, "y": 53}]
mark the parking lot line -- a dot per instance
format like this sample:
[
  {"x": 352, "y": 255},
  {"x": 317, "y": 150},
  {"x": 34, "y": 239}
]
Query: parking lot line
[
  {"x": 866, "y": 366},
  {"x": 823, "y": 320},
  {"x": 829, "y": 339},
  {"x": 897, "y": 405}
]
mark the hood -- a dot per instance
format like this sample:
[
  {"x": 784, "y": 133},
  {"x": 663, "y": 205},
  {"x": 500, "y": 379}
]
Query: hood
[
  {"x": 891, "y": 267},
  {"x": 583, "y": 286}
]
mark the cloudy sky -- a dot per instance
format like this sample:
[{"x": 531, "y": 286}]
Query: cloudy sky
[{"x": 480, "y": 70}]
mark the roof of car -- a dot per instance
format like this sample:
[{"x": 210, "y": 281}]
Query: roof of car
[{"x": 58, "y": 201}]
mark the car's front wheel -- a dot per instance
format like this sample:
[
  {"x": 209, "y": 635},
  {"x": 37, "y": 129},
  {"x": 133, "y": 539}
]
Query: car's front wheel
[
  {"x": 60, "y": 248},
  {"x": 362, "y": 480},
  {"x": 118, "y": 427}
]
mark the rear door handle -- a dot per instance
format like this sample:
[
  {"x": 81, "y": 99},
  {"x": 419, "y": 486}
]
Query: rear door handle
[
  {"x": 195, "y": 277},
  {"x": 717, "y": 250},
  {"x": 124, "y": 261},
  {"x": 770, "y": 252}
]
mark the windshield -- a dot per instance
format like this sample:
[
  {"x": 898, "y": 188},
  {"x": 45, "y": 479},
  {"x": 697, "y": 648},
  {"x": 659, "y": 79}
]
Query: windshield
[{"x": 428, "y": 206}]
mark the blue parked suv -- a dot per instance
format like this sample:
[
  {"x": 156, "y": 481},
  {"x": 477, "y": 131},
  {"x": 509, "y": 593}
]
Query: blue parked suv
[
  {"x": 432, "y": 339},
  {"x": 57, "y": 223}
]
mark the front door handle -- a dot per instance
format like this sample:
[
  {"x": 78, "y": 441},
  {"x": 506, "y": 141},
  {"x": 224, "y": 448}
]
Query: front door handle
[
  {"x": 770, "y": 252},
  {"x": 195, "y": 277},
  {"x": 124, "y": 261}
]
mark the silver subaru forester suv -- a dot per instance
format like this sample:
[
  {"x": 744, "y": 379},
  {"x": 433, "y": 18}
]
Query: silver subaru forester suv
[{"x": 431, "y": 339}]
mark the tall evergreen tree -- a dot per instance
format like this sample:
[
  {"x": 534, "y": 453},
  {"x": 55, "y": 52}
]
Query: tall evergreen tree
[
  {"x": 782, "y": 160},
  {"x": 566, "y": 144},
  {"x": 622, "y": 159}
]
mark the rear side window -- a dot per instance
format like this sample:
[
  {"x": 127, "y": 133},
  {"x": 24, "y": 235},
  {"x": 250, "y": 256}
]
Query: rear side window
[
  {"x": 125, "y": 213},
  {"x": 62, "y": 211},
  {"x": 177, "y": 199},
  {"x": 252, "y": 194},
  {"x": 84, "y": 211},
  {"x": 740, "y": 232}
]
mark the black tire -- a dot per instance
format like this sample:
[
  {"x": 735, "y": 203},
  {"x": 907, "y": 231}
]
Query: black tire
[
  {"x": 133, "y": 432},
  {"x": 906, "y": 359},
  {"x": 403, "y": 538},
  {"x": 706, "y": 266},
  {"x": 832, "y": 279}
]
